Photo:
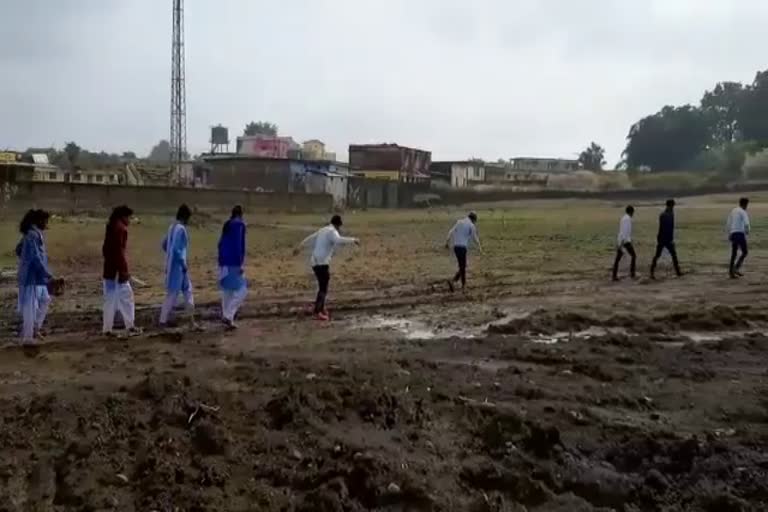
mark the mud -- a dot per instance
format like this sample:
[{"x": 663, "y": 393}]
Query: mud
[
  {"x": 715, "y": 318},
  {"x": 624, "y": 412}
]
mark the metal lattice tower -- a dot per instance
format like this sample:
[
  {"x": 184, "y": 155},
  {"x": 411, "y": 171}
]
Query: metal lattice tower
[{"x": 178, "y": 91}]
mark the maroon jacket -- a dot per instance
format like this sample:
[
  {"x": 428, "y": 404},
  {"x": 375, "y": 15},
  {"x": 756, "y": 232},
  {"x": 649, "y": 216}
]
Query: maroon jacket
[{"x": 114, "y": 251}]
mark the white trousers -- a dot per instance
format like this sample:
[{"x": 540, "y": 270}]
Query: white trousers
[
  {"x": 118, "y": 297},
  {"x": 231, "y": 300},
  {"x": 170, "y": 303},
  {"x": 34, "y": 301}
]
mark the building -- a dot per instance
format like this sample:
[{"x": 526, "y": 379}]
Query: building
[
  {"x": 16, "y": 166},
  {"x": 248, "y": 172},
  {"x": 267, "y": 146},
  {"x": 320, "y": 179},
  {"x": 315, "y": 150},
  {"x": 459, "y": 174},
  {"x": 244, "y": 172},
  {"x": 96, "y": 176},
  {"x": 506, "y": 175},
  {"x": 545, "y": 165},
  {"x": 390, "y": 162}
]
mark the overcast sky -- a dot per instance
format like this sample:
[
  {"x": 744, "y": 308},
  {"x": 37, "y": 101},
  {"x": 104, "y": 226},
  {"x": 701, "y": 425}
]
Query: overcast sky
[{"x": 482, "y": 78}]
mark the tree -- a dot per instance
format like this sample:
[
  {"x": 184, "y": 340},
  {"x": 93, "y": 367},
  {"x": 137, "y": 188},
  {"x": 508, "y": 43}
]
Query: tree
[
  {"x": 72, "y": 151},
  {"x": 260, "y": 128},
  {"x": 593, "y": 158},
  {"x": 753, "y": 116},
  {"x": 668, "y": 140},
  {"x": 161, "y": 152},
  {"x": 722, "y": 106},
  {"x": 129, "y": 156}
]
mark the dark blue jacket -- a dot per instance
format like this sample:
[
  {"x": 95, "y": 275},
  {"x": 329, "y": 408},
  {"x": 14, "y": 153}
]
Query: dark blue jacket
[
  {"x": 232, "y": 243},
  {"x": 666, "y": 227},
  {"x": 33, "y": 260}
]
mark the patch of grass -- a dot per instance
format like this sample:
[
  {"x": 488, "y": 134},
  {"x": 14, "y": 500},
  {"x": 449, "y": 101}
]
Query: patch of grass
[{"x": 526, "y": 243}]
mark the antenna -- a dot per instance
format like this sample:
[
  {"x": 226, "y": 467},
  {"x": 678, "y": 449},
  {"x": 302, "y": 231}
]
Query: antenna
[{"x": 178, "y": 92}]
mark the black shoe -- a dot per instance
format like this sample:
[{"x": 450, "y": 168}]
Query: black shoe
[
  {"x": 652, "y": 276},
  {"x": 450, "y": 286},
  {"x": 733, "y": 275},
  {"x": 615, "y": 279},
  {"x": 739, "y": 274}
]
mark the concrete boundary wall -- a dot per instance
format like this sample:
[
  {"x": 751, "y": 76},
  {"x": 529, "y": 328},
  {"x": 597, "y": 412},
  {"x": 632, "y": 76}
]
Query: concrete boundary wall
[
  {"x": 458, "y": 197},
  {"x": 71, "y": 198}
]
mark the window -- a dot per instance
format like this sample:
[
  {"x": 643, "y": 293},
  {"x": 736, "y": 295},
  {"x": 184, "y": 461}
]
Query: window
[
  {"x": 53, "y": 176},
  {"x": 552, "y": 165},
  {"x": 99, "y": 178}
]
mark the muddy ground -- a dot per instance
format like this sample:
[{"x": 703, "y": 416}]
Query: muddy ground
[{"x": 567, "y": 396}]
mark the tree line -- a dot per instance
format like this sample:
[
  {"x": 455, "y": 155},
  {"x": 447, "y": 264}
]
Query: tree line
[
  {"x": 729, "y": 123},
  {"x": 73, "y": 157}
]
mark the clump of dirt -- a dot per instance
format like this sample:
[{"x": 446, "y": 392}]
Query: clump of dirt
[
  {"x": 545, "y": 322},
  {"x": 716, "y": 318}
]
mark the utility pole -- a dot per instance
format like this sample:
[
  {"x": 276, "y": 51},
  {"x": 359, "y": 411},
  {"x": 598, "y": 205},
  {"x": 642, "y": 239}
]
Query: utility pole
[{"x": 178, "y": 92}]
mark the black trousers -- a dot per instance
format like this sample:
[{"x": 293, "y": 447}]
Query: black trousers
[
  {"x": 323, "y": 275},
  {"x": 670, "y": 247},
  {"x": 620, "y": 254},
  {"x": 461, "y": 259},
  {"x": 738, "y": 243}
]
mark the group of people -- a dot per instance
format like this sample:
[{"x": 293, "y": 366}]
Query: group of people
[
  {"x": 737, "y": 228},
  {"x": 34, "y": 274}
]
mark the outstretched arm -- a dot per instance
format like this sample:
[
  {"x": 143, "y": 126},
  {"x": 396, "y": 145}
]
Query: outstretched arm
[
  {"x": 344, "y": 240},
  {"x": 306, "y": 242},
  {"x": 450, "y": 236}
]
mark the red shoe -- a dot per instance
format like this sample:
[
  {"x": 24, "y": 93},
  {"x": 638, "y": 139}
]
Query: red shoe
[{"x": 322, "y": 317}]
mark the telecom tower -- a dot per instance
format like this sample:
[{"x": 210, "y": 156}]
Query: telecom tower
[{"x": 178, "y": 91}]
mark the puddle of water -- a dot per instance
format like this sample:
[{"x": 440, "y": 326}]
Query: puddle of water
[
  {"x": 413, "y": 329},
  {"x": 509, "y": 316},
  {"x": 592, "y": 332},
  {"x": 699, "y": 337},
  {"x": 489, "y": 365}
]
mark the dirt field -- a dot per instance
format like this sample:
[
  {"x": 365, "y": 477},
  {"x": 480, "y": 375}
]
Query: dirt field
[{"x": 545, "y": 388}]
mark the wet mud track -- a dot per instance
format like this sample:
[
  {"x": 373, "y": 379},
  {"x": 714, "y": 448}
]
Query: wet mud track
[{"x": 631, "y": 405}]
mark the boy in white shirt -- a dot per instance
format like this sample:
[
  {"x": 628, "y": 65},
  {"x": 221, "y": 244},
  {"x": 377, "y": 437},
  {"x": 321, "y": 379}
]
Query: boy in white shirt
[
  {"x": 738, "y": 228},
  {"x": 624, "y": 243},
  {"x": 460, "y": 237},
  {"x": 323, "y": 242}
]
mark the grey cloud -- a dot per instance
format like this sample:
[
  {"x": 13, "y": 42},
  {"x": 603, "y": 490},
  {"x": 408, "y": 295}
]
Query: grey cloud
[{"x": 488, "y": 78}]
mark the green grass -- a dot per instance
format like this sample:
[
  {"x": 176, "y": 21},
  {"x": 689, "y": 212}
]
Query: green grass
[{"x": 525, "y": 243}]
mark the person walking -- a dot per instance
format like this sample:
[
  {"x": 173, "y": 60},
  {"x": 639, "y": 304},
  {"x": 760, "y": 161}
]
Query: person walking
[
  {"x": 625, "y": 244},
  {"x": 323, "y": 242},
  {"x": 665, "y": 239},
  {"x": 24, "y": 226},
  {"x": 738, "y": 228},
  {"x": 175, "y": 246},
  {"x": 231, "y": 259},
  {"x": 460, "y": 237},
  {"x": 118, "y": 293},
  {"x": 34, "y": 276}
]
